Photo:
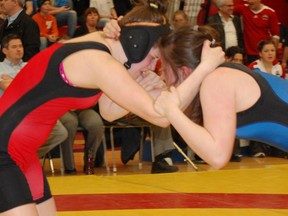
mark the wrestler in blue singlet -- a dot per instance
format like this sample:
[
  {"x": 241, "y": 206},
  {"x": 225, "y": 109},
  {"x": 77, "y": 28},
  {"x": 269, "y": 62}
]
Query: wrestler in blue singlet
[{"x": 267, "y": 120}]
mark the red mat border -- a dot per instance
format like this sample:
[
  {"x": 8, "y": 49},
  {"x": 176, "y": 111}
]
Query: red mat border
[{"x": 169, "y": 200}]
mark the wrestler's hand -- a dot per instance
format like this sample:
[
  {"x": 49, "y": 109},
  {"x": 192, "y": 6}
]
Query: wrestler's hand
[
  {"x": 167, "y": 102},
  {"x": 151, "y": 82},
  {"x": 5, "y": 81},
  {"x": 211, "y": 57},
  {"x": 112, "y": 29}
]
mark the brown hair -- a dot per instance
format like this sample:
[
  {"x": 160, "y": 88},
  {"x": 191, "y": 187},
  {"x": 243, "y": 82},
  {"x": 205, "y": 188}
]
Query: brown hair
[
  {"x": 181, "y": 13},
  {"x": 147, "y": 11},
  {"x": 262, "y": 43},
  {"x": 183, "y": 47},
  {"x": 90, "y": 10}
]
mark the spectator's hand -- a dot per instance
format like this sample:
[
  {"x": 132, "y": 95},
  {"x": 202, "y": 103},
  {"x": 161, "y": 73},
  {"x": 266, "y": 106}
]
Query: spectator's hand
[
  {"x": 52, "y": 38},
  {"x": 5, "y": 81},
  {"x": 112, "y": 29},
  {"x": 284, "y": 65},
  {"x": 167, "y": 102},
  {"x": 64, "y": 8}
]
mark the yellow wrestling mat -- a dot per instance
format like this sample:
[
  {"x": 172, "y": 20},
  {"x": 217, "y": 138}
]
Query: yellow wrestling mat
[{"x": 262, "y": 191}]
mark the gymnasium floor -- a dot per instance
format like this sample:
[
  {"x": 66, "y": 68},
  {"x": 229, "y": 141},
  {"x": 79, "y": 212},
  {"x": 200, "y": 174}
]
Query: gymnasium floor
[{"x": 251, "y": 187}]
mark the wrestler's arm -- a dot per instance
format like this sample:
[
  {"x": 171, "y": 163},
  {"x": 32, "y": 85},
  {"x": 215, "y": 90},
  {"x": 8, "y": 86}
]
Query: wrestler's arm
[
  {"x": 210, "y": 59},
  {"x": 148, "y": 80},
  {"x": 101, "y": 70},
  {"x": 213, "y": 142}
]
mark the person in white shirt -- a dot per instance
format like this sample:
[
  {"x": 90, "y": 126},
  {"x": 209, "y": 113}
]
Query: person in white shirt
[{"x": 227, "y": 25}]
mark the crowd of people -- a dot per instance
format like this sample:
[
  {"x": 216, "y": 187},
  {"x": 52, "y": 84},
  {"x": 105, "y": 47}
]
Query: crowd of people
[{"x": 48, "y": 99}]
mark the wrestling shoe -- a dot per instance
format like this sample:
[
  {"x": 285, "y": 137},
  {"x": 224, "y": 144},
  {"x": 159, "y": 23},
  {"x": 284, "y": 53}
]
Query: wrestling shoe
[
  {"x": 162, "y": 166},
  {"x": 70, "y": 172}
]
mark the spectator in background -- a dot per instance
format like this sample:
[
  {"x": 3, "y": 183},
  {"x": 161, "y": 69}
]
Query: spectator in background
[
  {"x": 267, "y": 63},
  {"x": 285, "y": 51},
  {"x": 93, "y": 127},
  {"x": 227, "y": 25},
  {"x": 91, "y": 19},
  {"x": 207, "y": 9},
  {"x": 65, "y": 15},
  {"x": 179, "y": 18},
  {"x": 47, "y": 24},
  {"x": 2, "y": 15},
  {"x": 106, "y": 10},
  {"x": 235, "y": 54},
  {"x": 259, "y": 22},
  {"x": 19, "y": 23}
]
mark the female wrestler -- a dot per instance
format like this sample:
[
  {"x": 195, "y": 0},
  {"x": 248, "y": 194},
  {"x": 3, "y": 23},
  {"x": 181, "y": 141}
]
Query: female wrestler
[
  {"x": 69, "y": 76},
  {"x": 51, "y": 84},
  {"x": 232, "y": 100}
]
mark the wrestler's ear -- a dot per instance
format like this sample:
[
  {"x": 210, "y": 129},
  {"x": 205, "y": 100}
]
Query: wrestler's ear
[{"x": 185, "y": 72}]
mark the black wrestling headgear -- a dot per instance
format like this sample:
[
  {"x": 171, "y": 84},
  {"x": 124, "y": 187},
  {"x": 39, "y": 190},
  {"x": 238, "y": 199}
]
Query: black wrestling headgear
[{"x": 138, "y": 40}]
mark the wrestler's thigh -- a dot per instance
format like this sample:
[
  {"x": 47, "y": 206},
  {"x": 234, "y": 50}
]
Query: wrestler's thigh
[{"x": 14, "y": 189}]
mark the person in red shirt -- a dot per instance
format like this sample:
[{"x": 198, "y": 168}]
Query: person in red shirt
[
  {"x": 47, "y": 24},
  {"x": 259, "y": 22}
]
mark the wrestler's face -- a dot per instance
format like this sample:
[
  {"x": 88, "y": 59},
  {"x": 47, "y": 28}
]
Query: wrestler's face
[
  {"x": 14, "y": 52},
  {"x": 268, "y": 53},
  {"x": 148, "y": 63}
]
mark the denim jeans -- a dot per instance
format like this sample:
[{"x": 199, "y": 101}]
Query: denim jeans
[{"x": 68, "y": 18}]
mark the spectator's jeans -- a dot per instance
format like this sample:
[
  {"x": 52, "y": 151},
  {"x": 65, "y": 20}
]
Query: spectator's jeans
[{"x": 68, "y": 18}]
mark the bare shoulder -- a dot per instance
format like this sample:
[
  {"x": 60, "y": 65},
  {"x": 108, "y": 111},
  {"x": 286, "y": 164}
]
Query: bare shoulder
[{"x": 222, "y": 77}]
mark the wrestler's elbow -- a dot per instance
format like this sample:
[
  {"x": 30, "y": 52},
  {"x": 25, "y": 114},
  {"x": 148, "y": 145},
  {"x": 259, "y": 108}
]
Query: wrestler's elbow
[{"x": 220, "y": 161}]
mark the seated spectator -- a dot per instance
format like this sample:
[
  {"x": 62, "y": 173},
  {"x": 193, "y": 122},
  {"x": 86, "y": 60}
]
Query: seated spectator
[
  {"x": 92, "y": 124},
  {"x": 19, "y": 23},
  {"x": 235, "y": 54},
  {"x": 91, "y": 19},
  {"x": 13, "y": 49},
  {"x": 269, "y": 64},
  {"x": 179, "y": 18},
  {"x": 65, "y": 15},
  {"x": 106, "y": 10},
  {"x": 47, "y": 24}
]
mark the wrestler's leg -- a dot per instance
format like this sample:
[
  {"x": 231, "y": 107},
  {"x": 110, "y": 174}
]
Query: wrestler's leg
[
  {"x": 24, "y": 210},
  {"x": 47, "y": 208},
  {"x": 46, "y": 205}
]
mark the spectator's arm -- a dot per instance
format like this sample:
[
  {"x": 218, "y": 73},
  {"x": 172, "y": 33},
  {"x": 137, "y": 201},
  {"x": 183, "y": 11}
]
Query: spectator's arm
[
  {"x": 285, "y": 57},
  {"x": 29, "y": 7},
  {"x": 5, "y": 81},
  {"x": 113, "y": 13}
]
